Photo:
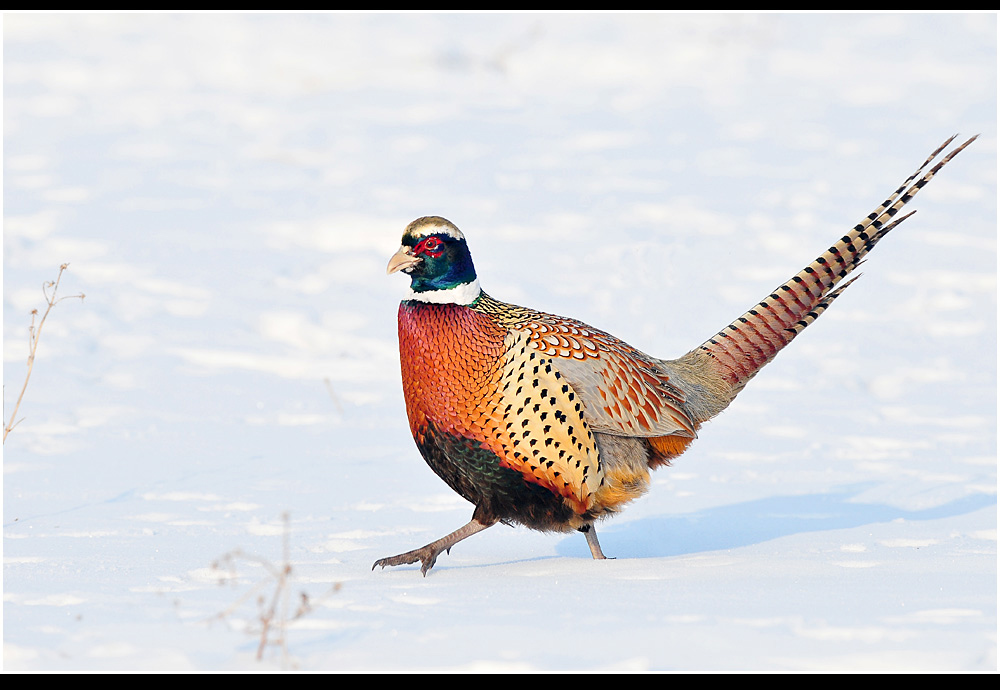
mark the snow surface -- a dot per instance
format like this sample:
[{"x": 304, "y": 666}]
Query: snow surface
[{"x": 227, "y": 190}]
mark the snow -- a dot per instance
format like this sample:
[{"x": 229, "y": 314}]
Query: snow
[{"x": 227, "y": 189}]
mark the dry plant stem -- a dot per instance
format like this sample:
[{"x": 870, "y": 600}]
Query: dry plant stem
[
  {"x": 333, "y": 396},
  {"x": 280, "y": 594},
  {"x": 274, "y": 613},
  {"x": 33, "y": 335}
]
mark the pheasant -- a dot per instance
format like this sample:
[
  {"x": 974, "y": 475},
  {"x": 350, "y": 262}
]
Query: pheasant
[{"x": 547, "y": 422}]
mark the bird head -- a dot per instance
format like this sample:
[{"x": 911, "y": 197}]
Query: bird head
[{"x": 435, "y": 255}]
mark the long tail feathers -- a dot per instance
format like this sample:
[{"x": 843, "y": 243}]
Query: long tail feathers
[{"x": 740, "y": 349}]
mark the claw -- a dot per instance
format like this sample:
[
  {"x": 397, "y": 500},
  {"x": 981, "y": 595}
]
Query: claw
[{"x": 427, "y": 555}]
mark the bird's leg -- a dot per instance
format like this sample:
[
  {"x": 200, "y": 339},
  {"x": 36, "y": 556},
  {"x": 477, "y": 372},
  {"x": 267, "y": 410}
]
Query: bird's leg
[
  {"x": 595, "y": 546},
  {"x": 428, "y": 554}
]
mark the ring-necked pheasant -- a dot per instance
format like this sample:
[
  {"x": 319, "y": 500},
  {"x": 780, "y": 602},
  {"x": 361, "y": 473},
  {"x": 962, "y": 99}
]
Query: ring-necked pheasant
[{"x": 547, "y": 422}]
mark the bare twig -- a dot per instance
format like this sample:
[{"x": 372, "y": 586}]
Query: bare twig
[
  {"x": 33, "y": 335},
  {"x": 273, "y": 614},
  {"x": 333, "y": 396}
]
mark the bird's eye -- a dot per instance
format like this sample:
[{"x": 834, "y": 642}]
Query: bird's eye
[{"x": 432, "y": 246}]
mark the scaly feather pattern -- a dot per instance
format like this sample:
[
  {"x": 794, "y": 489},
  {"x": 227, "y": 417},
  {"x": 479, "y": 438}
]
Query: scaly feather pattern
[{"x": 545, "y": 421}]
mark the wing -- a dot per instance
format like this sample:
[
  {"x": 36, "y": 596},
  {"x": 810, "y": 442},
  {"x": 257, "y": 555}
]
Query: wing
[
  {"x": 624, "y": 390},
  {"x": 561, "y": 383}
]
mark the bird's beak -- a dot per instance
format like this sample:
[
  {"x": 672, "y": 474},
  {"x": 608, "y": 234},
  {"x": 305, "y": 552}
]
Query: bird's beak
[{"x": 402, "y": 260}]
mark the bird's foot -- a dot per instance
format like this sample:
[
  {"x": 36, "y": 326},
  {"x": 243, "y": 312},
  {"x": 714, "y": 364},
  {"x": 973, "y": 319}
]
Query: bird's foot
[{"x": 427, "y": 555}]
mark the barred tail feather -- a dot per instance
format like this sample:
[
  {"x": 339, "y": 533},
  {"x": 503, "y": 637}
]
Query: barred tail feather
[{"x": 740, "y": 349}]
